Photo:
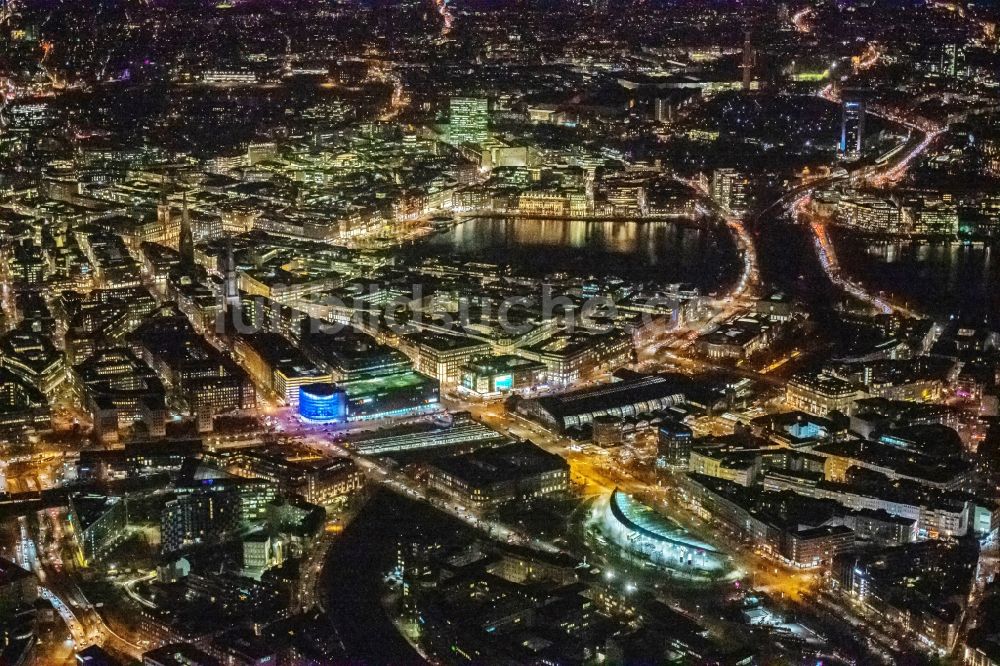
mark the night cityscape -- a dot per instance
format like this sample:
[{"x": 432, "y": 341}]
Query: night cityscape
[{"x": 542, "y": 332}]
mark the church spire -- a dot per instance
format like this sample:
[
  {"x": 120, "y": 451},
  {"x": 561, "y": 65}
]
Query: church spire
[
  {"x": 230, "y": 290},
  {"x": 186, "y": 244}
]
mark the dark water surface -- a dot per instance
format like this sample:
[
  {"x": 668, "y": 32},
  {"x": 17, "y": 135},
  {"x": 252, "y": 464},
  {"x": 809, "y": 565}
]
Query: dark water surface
[
  {"x": 657, "y": 251},
  {"x": 938, "y": 278}
]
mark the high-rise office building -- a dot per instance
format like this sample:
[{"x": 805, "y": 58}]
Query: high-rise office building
[
  {"x": 732, "y": 189},
  {"x": 190, "y": 519},
  {"x": 99, "y": 522},
  {"x": 852, "y": 126},
  {"x": 469, "y": 119},
  {"x": 674, "y": 444},
  {"x": 205, "y": 513},
  {"x": 748, "y": 63},
  {"x": 947, "y": 59},
  {"x": 662, "y": 111}
]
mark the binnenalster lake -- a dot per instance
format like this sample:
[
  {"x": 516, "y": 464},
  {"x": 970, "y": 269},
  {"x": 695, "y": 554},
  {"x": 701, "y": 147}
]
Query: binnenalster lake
[{"x": 665, "y": 252}]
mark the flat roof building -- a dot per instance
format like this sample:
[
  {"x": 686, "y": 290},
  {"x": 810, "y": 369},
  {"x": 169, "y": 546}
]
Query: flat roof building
[
  {"x": 99, "y": 521},
  {"x": 496, "y": 375},
  {"x": 820, "y": 394},
  {"x": 277, "y": 366},
  {"x": 568, "y": 357},
  {"x": 489, "y": 477},
  {"x": 18, "y": 586},
  {"x": 442, "y": 356}
]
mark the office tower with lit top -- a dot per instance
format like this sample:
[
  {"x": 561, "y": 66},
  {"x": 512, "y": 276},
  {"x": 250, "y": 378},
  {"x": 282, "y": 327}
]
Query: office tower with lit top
[{"x": 852, "y": 126}]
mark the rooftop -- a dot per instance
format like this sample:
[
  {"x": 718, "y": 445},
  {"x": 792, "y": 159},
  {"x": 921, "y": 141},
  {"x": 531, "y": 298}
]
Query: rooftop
[
  {"x": 506, "y": 463},
  {"x": 606, "y": 396},
  {"x": 11, "y": 573},
  {"x": 180, "y": 654}
]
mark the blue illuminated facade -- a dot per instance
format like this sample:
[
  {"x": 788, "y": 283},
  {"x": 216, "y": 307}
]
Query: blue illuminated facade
[
  {"x": 322, "y": 402},
  {"x": 852, "y": 127},
  {"x": 503, "y": 383}
]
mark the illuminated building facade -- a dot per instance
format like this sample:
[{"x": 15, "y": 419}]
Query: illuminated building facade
[
  {"x": 99, "y": 522},
  {"x": 22, "y": 406},
  {"x": 821, "y": 394},
  {"x": 402, "y": 394},
  {"x": 870, "y": 213},
  {"x": 738, "y": 338},
  {"x": 641, "y": 531},
  {"x": 350, "y": 354},
  {"x": 852, "y": 127},
  {"x": 497, "y": 375},
  {"x": 323, "y": 403},
  {"x": 469, "y": 119},
  {"x": 297, "y": 471},
  {"x": 197, "y": 518},
  {"x": 732, "y": 189},
  {"x": 277, "y": 366},
  {"x": 674, "y": 441},
  {"x": 567, "y": 358},
  {"x": 920, "y": 588},
  {"x": 120, "y": 390},
  {"x": 442, "y": 356},
  {"x": 199, "y": 375},
  {"x": 208, "y": 510}
]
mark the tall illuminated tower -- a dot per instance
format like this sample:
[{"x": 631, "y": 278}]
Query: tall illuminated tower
[
  {"x": 230, "y": 291},
  {"x": 852, "y": 126},
  {"x": 749, "y": 61}
]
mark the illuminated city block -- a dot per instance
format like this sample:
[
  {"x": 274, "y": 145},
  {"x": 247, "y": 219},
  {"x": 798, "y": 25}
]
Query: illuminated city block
[
  {"x": 322, "y": 402},
  {"x": 642, "y": 531},
  {"x": 390, "y": 396}
]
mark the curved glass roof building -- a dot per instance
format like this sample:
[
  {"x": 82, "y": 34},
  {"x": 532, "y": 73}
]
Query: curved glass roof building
[{"x": 642, "y": 531}]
